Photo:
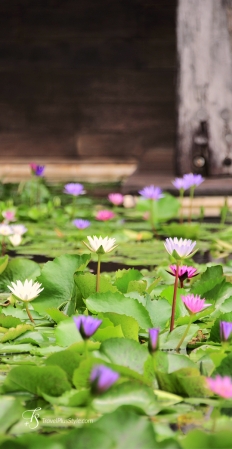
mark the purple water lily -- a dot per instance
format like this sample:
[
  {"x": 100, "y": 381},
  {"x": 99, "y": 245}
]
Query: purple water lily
[
  {"x": 74, "y": 188},
  {"x": 180, "y": 184},
  {"x": 153, "y": 340},
  {"x": 81, "y": 224},
  {"x": 87, "y": 325},
  {"x": 102, "y": 378},
  {"x": 225, "y": 330},
  {"x": 37, "y": 170},
  {"x": 192, "y": 180},
  {"x": 151, "y": 192}
]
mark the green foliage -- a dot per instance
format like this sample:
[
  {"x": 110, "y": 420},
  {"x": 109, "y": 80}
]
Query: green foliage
[
  {"x": 57, "y": 279},
  {"x": 37, "y": 380},
  {"x": 118, "y": 303},
  {"x": 18, "y": 269}
]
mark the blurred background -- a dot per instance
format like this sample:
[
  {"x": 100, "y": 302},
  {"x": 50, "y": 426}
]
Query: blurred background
[{"x": 110, "y": 83}]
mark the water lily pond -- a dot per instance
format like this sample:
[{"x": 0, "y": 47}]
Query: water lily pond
[{"x": 115, "y": 320}]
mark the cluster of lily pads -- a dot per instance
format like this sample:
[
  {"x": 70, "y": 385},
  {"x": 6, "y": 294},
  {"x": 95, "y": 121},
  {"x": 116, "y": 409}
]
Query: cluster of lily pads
[{"x": 113, "y": 359}]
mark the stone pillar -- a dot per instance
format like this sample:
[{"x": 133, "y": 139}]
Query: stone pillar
[{"x": 204, "y": 89}]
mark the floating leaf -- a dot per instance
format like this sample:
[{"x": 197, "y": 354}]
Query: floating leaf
[
  {"x": 57, "y": 279},
  {"x": 13, "y": 333},
  {"x": 124, "y": 277},
  {"x": 37, "y": 380},
  {"x": 118, "y": 303}
]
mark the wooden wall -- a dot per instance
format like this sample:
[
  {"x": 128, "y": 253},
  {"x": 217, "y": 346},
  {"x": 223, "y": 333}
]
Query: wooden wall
[{"x": 87, "y": 78}]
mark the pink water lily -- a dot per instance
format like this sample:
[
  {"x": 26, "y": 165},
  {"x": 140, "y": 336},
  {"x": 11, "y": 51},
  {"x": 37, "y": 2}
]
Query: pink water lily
[
  {"x": 116, "y": 198},
  {"x": 9, "y": 215},
  {"x": 184, "y": 272},
  {"x": 194, "y": 303},
  {"x": 104, "y": 215},
  {"x": 221, "y": 386}
]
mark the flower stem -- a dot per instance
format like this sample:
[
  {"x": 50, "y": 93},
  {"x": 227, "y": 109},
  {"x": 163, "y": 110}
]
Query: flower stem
[
  {"x": 29, "y": 313},
  {"x": 174, "y": 298},
  {"x": 191, "y": 204},
  {"x": 3, "y": 246},
  {"x": 86, "y": 352},
  {"x": 98, "y": 273},
  {"x": 185, "y": 333},
  {"x": 181, "y": 205},
  {"x": 152, "y": 203}
]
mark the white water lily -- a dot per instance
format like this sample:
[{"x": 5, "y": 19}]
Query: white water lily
[
  {"x": 5, "y": 229},
  {"x": 100, "y": 244},
  {"x": 26, "y": 291},
  {"x": 183, "y": 248},
  {"x": 15, "y": 239}
]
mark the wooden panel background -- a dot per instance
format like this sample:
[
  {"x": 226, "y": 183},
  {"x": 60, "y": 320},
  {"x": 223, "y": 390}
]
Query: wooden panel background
[{"x": 87, "y": 78}]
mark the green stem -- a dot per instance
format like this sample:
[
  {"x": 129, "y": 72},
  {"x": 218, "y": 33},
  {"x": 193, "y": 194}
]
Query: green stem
[
  {"x": 152, "y": 203},
  {"x": 185, "y": 333},
  {"x": 191, "y": 203},
  {"x": 29, "y": 313},
  {"x": 98, "y": 273},
  {"x": 174, "y": 298},
  {"x": 3, "y": 246},
  {"x": 86, "y": 352},
  {"x": 181, "y": 205}
]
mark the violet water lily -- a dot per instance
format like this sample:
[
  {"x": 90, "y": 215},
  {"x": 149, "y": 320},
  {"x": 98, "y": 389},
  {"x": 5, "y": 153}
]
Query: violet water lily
[
  {"x": 225, "y": 331},
  {"x": 74, "y": 188},
  {"x": 181, "y": 185},
  {"x": 222, "y": 386},
  {"x": 102, "y": 378},
  {"x": 19, "y": 229},
  {"x": 81, "y": 224},
  {"x": 36, "y": 169},
  {"x": 86, "y": 325},
  {"x": 116, "y": 198},
  {"x": 153, "y": 194},
  {"x": 153, "y": 340},
  {"x": 100, "y": 245},
  {"x": 194, "y": 304},
  {"x": 192, "y": 181}
]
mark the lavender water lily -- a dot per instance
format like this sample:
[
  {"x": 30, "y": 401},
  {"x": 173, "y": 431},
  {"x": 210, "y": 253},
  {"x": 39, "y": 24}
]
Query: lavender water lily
[{"x": 153, "y": 194}]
